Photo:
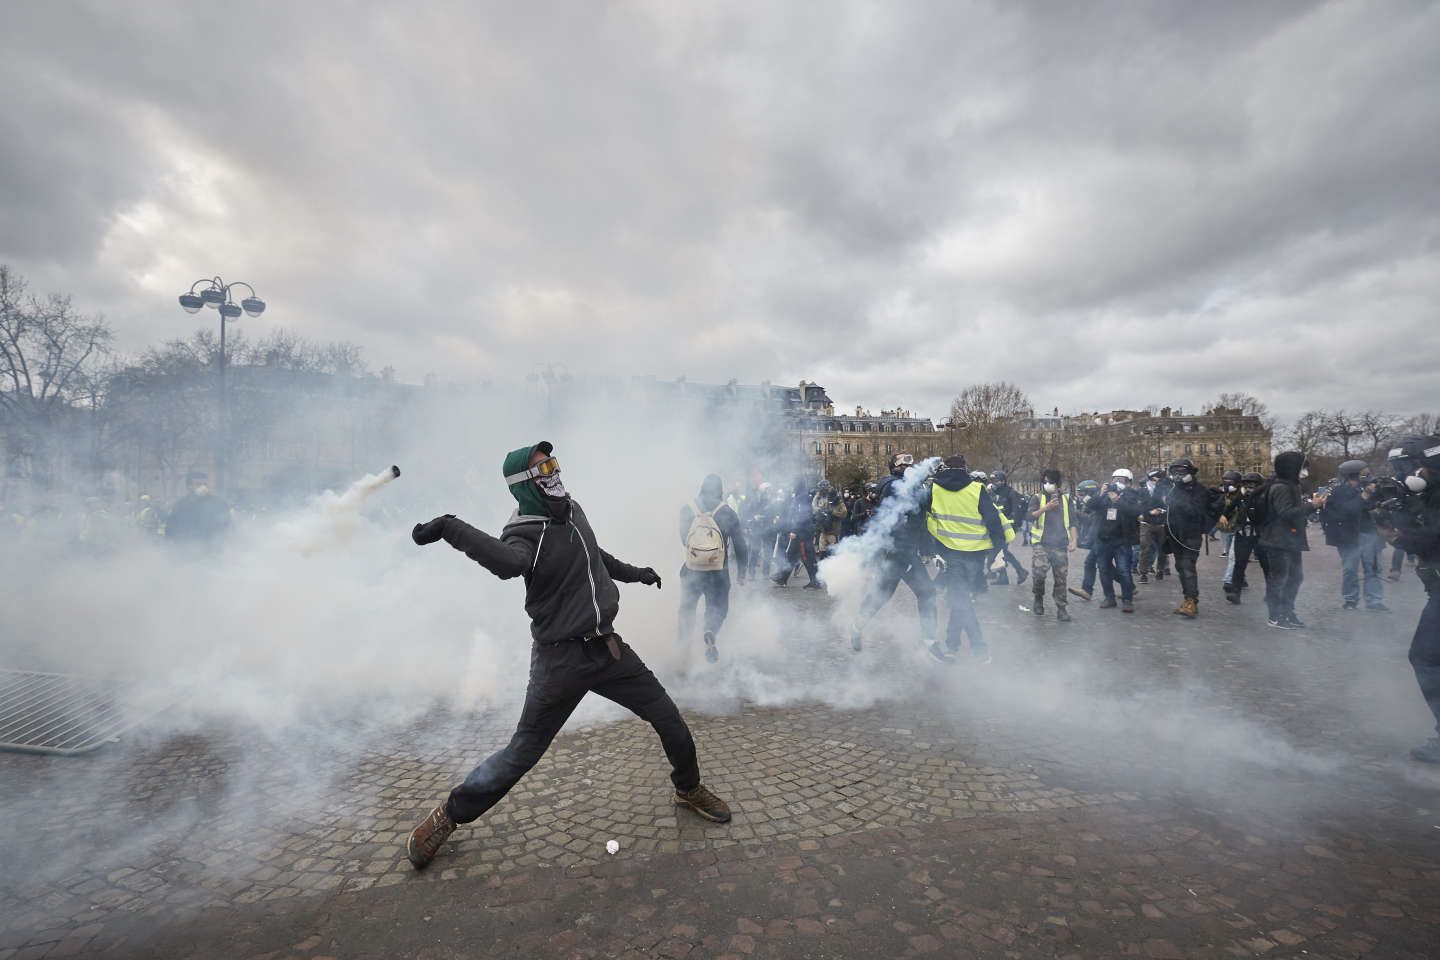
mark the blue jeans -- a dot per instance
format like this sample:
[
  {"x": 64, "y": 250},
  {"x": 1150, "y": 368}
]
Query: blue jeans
[
  {"x": 1361, "y": 556},
  {"x": 1114, "y": 561},
  {"x": 1092, "y": 567}
]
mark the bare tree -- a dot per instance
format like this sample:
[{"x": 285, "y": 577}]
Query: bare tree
[
  {"x": 987, "y": 416},
  {"x": 1249, "y": 405},
  {"x": 50, "y": 356},
  {"x": 1379, "y": 428},
  {"x": 1344, "y": 431},
  {"x": 1307, "y": 434},
  {"x": 1421, "y": 425}
]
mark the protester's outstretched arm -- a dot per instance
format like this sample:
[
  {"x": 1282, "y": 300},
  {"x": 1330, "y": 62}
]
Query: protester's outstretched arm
[{"x": 504, "y": 558}]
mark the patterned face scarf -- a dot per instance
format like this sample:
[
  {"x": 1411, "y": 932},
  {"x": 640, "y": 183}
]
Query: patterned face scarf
[{"x": 552, "y": 486}]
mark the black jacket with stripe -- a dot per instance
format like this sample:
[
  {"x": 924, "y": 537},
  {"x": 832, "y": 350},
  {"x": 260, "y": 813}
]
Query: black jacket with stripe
[{"x": 569, "y": 580}]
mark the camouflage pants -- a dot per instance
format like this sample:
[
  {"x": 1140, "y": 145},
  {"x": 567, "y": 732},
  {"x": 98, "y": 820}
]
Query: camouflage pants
[{"x": 1050, "y": 560}]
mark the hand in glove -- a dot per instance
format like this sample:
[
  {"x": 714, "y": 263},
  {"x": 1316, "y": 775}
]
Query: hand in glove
[
  {"x": 940, "y": 565},
  {"x": 430, "y": 532},
  {"x": 650, "y": 578}
]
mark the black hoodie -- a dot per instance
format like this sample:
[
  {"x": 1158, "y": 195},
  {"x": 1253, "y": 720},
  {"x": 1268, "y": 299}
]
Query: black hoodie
[
  {"x": 711, "y": 499},
  {"x": 954, "y": 479},
  {"x": 1286, "y": 511}
]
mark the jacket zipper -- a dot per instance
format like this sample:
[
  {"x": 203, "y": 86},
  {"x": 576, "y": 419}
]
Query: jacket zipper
[{"x": 589, "y": 572}]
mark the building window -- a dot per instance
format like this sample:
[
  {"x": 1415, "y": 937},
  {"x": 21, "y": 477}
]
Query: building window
[
  {"x": 1187, "y": 449},
  {"x": 834, "y": 449},
  {"x": 817, "y": 448},
  {"x": 889, "y": 448},
  {"x": 1219, "y": 449},
  {"x": 1205, "y": 448},
  {"x": 847, "y": 448}
]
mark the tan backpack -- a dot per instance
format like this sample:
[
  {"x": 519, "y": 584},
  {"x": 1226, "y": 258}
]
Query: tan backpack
[{"x": 704, "y": 543}]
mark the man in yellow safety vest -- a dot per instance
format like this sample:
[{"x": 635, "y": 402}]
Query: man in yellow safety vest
[
  {"x": 1052, "y": 536},
  {"x": 965, "y": 525}
]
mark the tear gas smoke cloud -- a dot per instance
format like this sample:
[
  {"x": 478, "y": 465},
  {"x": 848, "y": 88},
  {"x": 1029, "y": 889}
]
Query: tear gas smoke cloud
[{"x": 314, "y": 635}]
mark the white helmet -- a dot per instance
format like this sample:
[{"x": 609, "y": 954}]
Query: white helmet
[{"x": 1122, "y": 472}]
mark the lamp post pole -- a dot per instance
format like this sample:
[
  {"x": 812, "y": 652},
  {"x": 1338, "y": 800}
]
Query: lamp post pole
[{"x": 215, "y": 293}]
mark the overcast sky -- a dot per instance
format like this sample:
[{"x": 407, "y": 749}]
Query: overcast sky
[{"x": 1111, "y": 205}]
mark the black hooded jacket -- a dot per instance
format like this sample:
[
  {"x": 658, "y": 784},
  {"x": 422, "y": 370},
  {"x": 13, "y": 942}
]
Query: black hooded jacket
[
  {"x": 1286, "y": 511},
  {"x": 712, "y": 493},
  {"x": 953, "y": 479},
  {"x": 569, "y": 580},
  {"x": 1191, "y": 510}
]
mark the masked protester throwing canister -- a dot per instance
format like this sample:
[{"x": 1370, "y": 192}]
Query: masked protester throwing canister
[{"x": 572, "y": 600}]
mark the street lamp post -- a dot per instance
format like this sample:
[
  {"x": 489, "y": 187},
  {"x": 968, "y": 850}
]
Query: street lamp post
[{"x": 215, "y": 293}]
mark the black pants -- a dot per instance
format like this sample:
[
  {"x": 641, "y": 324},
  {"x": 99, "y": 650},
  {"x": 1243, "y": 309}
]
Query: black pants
[
  {"x": 1241, "y": 550},
  {"x": 893, "y": 570},
  {"x": 1282, "y": 582},
  {"x": 560, "y": 676},
  {"x": 714, "y": 586},
  {"x": 963, "y": 576},
  {"x": 799, "y": 551},
  {"x": 1186, "y": 552},
  {"x": 1425, "y": 655},
  {"x": 1397, "y": 561},
  {"x": 1154, "y": 548}
]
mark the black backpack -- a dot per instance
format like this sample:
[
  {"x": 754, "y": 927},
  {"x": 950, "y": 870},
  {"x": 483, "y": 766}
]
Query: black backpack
[{"x": 1260, "y": 506}]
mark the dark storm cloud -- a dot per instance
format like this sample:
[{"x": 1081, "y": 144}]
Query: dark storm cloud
[{"x": 1110, "y": 204}]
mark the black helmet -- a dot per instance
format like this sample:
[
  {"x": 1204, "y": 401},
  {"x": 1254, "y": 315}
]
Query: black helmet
[
  {"x": 1251, "y": 477},
  {"x": 998, "y": 476},
  {"x": 1155, "y": 473},
  {"x": 1087, "y": 487},
  {"x": 1182, "y": 465},
  {"x": 1412, "y": 453},
  {"x": 1230, "y": 476}
]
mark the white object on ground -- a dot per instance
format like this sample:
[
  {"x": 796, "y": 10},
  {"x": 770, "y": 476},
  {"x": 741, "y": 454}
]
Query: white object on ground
[{"x": 612, "y": 846}]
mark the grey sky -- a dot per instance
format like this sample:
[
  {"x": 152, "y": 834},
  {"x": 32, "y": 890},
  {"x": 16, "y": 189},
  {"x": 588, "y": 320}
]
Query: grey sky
[{"x": 1110, "y": 204}]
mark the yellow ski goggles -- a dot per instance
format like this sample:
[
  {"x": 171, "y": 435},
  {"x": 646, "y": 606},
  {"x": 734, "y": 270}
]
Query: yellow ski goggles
[{"x": 545, "y": 468}]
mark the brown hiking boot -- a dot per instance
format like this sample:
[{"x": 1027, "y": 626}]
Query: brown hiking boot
[
  {"x": 426, "y": 839},
  {"x": 704, "y": 803},
  {"x": 1189, "y": 607}
]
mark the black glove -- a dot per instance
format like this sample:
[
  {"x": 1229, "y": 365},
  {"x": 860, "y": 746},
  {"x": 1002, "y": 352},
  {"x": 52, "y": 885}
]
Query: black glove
[
  {"x": 430, "y": 532},
  {"x": 650, "y": 578}
]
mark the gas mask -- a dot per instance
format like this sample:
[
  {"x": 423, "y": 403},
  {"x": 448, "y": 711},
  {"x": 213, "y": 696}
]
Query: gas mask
[
  {"x": 1304, "y": 472},
  {"x": 1416, "y": 483},
  {"x": 1121, "y": 483},
  {"x": 1182, "y": 478}
]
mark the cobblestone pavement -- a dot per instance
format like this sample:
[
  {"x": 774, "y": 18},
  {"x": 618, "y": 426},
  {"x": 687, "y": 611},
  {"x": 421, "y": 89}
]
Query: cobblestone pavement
[{"x": 1118, "y": 786}]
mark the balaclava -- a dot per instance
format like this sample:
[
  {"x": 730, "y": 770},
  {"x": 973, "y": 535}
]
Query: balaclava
[{"x": 535, "y": 500}]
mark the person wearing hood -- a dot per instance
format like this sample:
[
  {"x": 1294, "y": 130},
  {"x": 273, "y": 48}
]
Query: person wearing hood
[
  {"x": 1015, "y": 506},
  {"x": 1245, "y": 522},
  {"x": 572, "y": 601},
  {"x": 901, "y": 551},
  {"x": 1412, "y": 523},
  {"x": 1348, "y": 528},
  {"x": 965, "y": 525},
  {"x": 710, "y": 533},
  {"x": 1189, "y": 512},
  {"x": 798, "y": 531},
  {"x": 1282, "y": 537}
]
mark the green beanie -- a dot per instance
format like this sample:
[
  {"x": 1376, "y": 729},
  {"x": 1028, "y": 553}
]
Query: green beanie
[{"x": 524, "y": 492}]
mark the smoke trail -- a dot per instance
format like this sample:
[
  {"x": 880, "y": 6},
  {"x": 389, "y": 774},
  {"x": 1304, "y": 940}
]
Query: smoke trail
[{"x": 844, "y": 570}]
